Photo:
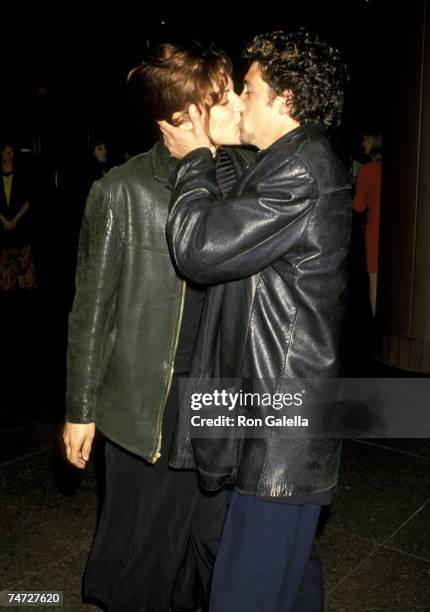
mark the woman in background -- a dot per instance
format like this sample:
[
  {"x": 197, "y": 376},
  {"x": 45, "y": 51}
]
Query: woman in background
[
  {"x": 17, "y": 288},
  {"x": 17, "y": 272},
  {"x": 368, "y": 198}
]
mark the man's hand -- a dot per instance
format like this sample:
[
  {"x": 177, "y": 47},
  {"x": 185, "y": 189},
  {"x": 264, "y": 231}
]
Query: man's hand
[
  {"x": 183, "y": 139},
  {"x": 78, "y": 439}
]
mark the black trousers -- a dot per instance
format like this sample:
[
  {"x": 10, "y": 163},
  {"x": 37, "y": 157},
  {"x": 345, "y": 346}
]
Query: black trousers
[{"x": 158, "y": 533}]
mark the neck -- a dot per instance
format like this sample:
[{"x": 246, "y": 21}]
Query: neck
[
  {"x": 286, "y": 129},
  {"x": 282, "y": 130}
]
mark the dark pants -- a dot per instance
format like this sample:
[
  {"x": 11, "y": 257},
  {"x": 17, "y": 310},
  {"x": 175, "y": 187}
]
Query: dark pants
[
  {"x": 266, "y": 560},
  {"x": 158, "y": 532}
]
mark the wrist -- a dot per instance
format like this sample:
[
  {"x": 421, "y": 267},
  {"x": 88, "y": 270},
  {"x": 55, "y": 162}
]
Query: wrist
[{"x": 200, "y": 153}]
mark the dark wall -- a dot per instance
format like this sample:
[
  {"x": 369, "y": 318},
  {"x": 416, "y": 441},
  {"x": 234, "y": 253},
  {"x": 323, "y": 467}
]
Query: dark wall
[{"x": 403, "y": 308}]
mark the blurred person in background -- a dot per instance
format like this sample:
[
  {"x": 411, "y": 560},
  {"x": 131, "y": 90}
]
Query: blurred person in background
[{"x": 367, "y": 199}]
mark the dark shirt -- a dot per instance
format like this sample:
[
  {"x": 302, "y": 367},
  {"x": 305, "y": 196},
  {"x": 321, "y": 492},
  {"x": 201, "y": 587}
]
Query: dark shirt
[
  {"x": 195, "y": 294},
  {"x": 193, "y": 305},
  {"x": 225, "y": 172}
]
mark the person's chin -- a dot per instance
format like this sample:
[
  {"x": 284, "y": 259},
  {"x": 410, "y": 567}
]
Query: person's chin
[
  {"x": 243, "y": 136},
  {"x": 247, "y": 138}
]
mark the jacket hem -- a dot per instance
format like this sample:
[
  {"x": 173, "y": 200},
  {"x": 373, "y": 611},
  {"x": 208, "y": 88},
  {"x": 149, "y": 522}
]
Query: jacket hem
[{"x": 128, "y": 447}]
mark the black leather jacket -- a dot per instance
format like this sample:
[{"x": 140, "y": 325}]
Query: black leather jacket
[
  {"x": 126, "y": 316},
  {"x": 279, "y": 243}
]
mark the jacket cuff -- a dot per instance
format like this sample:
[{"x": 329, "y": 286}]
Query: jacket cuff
[
  {"x": 76, "y": 413},
  {"x": 202, "y": 153}
]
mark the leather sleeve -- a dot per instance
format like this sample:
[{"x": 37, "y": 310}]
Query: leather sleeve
[
  {"x": 216, "y": 240},
  {"x": 97, "y": 277}
]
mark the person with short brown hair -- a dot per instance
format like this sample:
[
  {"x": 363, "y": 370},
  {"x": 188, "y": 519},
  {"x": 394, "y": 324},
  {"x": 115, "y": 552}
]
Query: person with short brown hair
[{"x": 131, "y": 337}]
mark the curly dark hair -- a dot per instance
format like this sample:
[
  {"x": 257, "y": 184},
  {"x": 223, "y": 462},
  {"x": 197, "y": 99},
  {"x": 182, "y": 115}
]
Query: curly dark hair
[{"x": 309, "y": 67}]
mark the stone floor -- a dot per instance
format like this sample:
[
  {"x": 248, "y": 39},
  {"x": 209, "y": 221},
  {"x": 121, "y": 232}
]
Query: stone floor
[{"x": 374, "y": 541}]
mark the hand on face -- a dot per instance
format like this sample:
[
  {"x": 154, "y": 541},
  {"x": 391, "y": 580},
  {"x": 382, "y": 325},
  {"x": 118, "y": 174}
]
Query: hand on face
[{"x": 187, "y": 137}]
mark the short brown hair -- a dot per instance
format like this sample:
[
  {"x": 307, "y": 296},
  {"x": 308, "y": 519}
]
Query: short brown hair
[{"x": 174, "y": 77}]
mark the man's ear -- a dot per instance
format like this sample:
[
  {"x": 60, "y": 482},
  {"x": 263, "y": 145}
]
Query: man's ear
[{"x": 286, "y": 102}]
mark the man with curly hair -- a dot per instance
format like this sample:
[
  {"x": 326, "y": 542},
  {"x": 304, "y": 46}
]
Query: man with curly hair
[{"x": 275, "y": 251}]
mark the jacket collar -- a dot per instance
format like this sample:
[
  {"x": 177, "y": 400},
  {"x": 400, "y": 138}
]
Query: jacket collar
[
  {"x": 241, "y": 157},
  {"x": 307, "y": 128},
  {"x": 163, "y": 163}
]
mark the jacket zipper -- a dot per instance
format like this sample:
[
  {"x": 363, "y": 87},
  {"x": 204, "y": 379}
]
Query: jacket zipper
[{"x": 157, "y": 453}]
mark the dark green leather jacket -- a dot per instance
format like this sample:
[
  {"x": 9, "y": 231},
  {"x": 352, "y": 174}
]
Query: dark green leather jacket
[{"x": 126, "y": 316}]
